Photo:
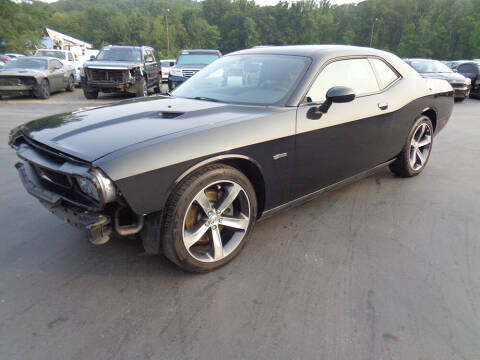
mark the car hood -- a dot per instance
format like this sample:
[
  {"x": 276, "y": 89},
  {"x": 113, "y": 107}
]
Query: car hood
[
  {"x": 450, "y": 77},
  {"x": 111, "y": 64},
  {"x": 90, "y": 134},
  {"x": 189, "y": 67},
  {"x": 21, "y": 72}
]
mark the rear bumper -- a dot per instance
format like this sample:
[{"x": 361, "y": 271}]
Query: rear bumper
[{"x": 175, "y": 81}]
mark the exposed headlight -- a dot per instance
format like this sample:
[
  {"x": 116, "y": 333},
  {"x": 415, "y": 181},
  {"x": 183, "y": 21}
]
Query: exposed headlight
[
  {"x": 88, "y": 187},
  {"x": 98, "y": 187},
  {"x": 176, "y": 72}
]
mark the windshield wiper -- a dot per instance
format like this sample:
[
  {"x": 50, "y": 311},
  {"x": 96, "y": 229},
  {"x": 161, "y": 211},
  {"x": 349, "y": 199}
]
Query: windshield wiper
[{"x": 205, "y": 98}]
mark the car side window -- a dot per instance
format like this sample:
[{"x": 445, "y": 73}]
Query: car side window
[
  {"x": 354, "y": 73},
  {"x": 385, "y": 74},
  {"x": 70, "y": 57},
  {"x": 56, "y": 64},
  {"x": 467, "y": 68}
]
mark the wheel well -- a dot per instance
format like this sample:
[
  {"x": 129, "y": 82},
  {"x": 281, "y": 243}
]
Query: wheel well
[
  {"x": 432, "y": 115},
  {"x": 253, "y": 173}
]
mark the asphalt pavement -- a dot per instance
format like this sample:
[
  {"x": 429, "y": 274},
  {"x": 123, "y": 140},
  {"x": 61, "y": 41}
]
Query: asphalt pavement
[{"x": 385, "y": 268}]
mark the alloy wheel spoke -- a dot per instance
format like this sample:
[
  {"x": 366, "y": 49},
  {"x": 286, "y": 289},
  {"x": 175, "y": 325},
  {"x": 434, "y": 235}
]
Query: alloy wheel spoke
[
  {"x": 413, "y": 157},
  {"x": 217, "y": 244},
  {"x": 192, "y": 237},
  {"x": 425, "y": 141},
  {"x": 420, "y": 156},
  {"x": 202, "y": 200},
  {"x": 232, "y": 193},
  {"x": 422, "y": 131},
  {"x": 240, "y": 223}
]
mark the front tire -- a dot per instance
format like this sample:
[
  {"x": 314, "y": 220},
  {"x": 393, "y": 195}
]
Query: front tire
[
  {"x": 90, "y": 94},
  {"x": 208, "y": 218},
  {"x": 417, "y": 149},
  {"x": 43, "y": 90},
  {"x": 141, "y": 89}
]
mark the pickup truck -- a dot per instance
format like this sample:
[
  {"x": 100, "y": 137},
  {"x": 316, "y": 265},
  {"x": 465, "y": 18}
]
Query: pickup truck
[{"x": 122, "y": 68}]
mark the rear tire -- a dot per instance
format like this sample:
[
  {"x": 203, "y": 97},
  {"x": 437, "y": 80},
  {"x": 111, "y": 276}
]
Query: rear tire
[
  {"x": 43, "y": 90},
  {"x": 416, "y": 151},
  {"x": 222, "y": 221},
  {"x": 71, "y": 84}
]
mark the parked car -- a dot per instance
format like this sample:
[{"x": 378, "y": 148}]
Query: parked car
[
  {"x": 166, "y": 67},
  {"x": 434, "y": 69},
  {"x": 5, "y": 58},
  {"x": 188, "y": 63},
  {"x": 127, "y": 69},
  {"x": 14, "y": 55},
  {"x": 191, "y": 173},
  {"x": 470, "y": 69},
  {"x": 65, "y": 56},
  {"x": 37, "y": 76}
]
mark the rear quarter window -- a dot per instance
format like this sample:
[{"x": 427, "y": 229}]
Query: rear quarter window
[{"x": 385, "y": 74}]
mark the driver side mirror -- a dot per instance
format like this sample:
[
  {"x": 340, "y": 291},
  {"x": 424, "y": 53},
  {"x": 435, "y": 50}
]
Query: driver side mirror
[
  {"x": 455, "y": 70},
  {"x": 92, "y": 57},
  {"x": 336, "y": 94},
  {"x": 149, "y": 58}
]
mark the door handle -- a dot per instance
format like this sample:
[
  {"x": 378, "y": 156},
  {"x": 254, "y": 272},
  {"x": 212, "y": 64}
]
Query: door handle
[{"x": 382, "y": 106}]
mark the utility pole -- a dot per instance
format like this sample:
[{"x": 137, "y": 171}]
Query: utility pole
[
  {"x": 168, "y": 40},
  {"x": 373, "y": 27}
]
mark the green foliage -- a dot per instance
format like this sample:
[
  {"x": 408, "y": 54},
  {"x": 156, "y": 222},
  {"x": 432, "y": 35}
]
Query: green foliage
[{"x": 443, "y": 29}]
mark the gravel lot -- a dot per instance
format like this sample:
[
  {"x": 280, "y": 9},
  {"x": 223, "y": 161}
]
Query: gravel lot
[{"x": 385, "y": 268}]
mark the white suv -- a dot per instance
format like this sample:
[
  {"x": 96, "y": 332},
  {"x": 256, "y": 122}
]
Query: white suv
[{"x": 65, "y": 56}]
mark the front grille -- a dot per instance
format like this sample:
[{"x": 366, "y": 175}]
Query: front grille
[
  {"x": 458, "y": 85},
  {"x": 10, "y": 81},
  {"x": 189, "y": 73},
  {"x": 54, "y": 177},
  {"x": 113, "y": 76}
]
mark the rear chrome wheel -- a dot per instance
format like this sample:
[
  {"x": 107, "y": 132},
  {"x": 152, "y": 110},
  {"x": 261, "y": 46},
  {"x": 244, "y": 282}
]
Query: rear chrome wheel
[
  {"x": 416, "y": 151},
  {"x": 420, "y": 146},
  {"x": 208, "y": 218}
]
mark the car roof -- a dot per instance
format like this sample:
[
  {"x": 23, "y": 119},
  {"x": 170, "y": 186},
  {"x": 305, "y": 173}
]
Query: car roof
[
  {"x": 313, "y": 51},
  {"x": 128, "y": 46},
  {"x": 52, "y": 50},
  {"x": 199, "y": 50},
  {"x": 419, "y": 59}
]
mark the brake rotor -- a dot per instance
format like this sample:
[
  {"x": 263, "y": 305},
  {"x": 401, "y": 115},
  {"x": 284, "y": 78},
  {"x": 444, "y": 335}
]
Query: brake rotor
[{"x": 195, "y": 214}]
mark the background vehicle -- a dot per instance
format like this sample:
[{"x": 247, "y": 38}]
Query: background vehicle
[
  {"x": 188, "y": 63},
  {"x": 66, "y": 56},
  {"x": 166, "y": 67},
  {"x": 434, "y": 69},
  {"x": 2, "y": 64},
  {"x": 5, "y": 58},
  {"x": 35, "y": 75},
  {"x": 119, "y": 68},
  {"x": 471, "y": 70},
  {"x": 192, "y": 172},
  {"x": 14, "y": 55}
]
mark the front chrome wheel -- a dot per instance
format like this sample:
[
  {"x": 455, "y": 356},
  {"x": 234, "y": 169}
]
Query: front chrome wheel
[
  {"x": 216, "y": 221},
  {"x": 420, "y": 146}
]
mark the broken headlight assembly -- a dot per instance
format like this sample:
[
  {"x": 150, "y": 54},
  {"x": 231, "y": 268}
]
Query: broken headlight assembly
[{"x": 97, "y": 186}]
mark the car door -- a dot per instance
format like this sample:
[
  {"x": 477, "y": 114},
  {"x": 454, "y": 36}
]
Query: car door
[
  {"x": 351, "y": 137},
  {"x": 149, "y": 66},
  {"x": 56, "y": 75}
]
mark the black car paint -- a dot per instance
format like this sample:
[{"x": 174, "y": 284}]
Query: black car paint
[
  {"x": 474, "y": 75},
  {"x": 148, "y": 146}
]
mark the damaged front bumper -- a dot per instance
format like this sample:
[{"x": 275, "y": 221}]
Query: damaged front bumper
[{"x": 97, "y": 226}]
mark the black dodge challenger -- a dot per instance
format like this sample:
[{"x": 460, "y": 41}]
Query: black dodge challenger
[{"x": 255, "y": 132}]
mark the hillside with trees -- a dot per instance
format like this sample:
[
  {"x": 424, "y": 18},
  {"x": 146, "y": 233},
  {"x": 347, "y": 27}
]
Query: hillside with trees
[{"x": 443, "y": 29}]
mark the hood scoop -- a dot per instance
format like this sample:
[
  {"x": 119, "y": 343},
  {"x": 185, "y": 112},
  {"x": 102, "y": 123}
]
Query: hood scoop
[{"x": 169, "y": 114}]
